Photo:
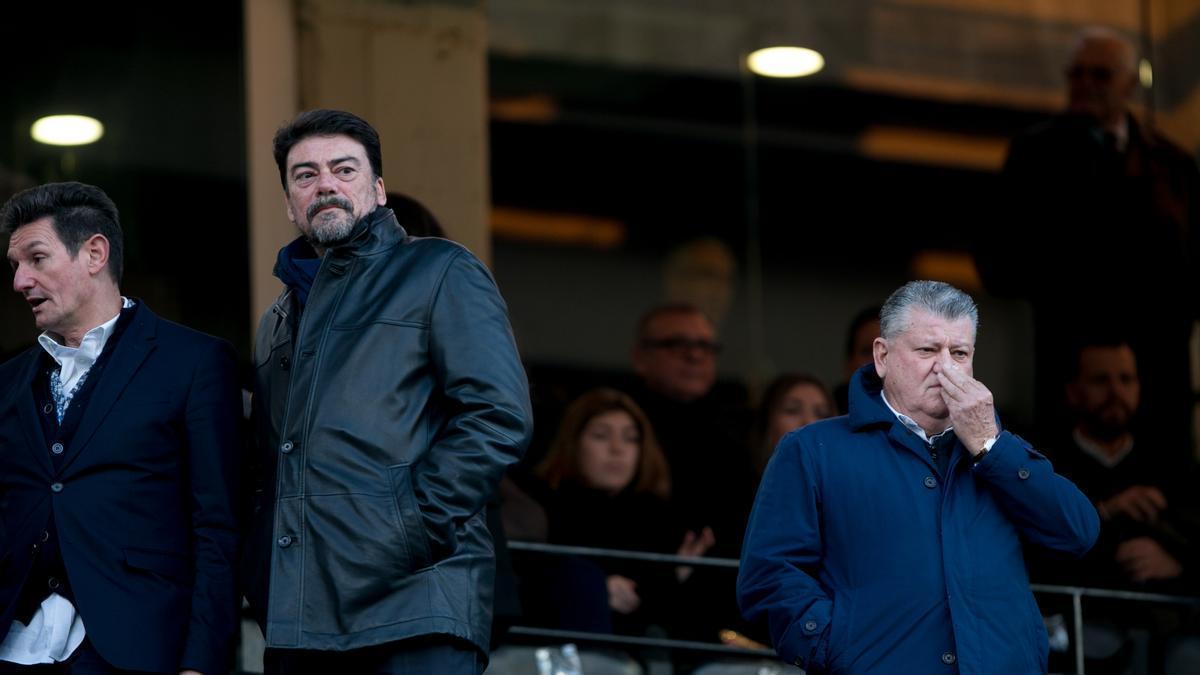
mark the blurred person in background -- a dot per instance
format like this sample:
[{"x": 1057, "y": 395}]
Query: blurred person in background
[
  {"x": 609, "y": 487},
  {"x": 791, "y": 401},
  {"x": 860, "y": 336},
  {"x": 1098, "y": 217}
]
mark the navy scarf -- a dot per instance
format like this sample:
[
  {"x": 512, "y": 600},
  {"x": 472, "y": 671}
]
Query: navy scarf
[{"x": 297, "y": 267}]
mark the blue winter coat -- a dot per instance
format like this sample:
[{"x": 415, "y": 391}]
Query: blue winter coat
[{"x": 863, "y": 558}]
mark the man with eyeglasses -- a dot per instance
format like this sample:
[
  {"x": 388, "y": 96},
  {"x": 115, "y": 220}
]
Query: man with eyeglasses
[
  {"x": 675, "y": 357},
  {"x": 1097, "y": 229}
]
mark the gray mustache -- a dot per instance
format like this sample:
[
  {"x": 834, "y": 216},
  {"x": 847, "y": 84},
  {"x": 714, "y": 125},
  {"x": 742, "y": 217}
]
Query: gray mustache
[{"x": 328, "y": 201}]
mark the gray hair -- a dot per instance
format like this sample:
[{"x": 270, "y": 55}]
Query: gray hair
[
  {"x": 1104, "y": 34},
  {"x": 936, "y": 297}
]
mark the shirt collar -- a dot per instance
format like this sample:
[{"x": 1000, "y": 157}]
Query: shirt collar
[
  {"x": 89, "y": 347},
  {"x": 1093, "y": 450},
  {"x": 911, "y": 424}
]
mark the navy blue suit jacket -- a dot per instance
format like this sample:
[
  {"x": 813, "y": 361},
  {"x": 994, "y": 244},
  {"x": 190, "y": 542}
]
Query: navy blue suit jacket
[{"x": 144, "y": 501}]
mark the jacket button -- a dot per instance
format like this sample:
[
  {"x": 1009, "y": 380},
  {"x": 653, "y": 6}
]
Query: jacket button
[
  {"x": 53, "y": 583},
  {"x": 285, "y": 362},
  {"x": 48, "y": 408},
  {"x": 56, "y": 487},
  {"x": 45, "y": 536},
  {"x": 285, "y": 541},
  {"x": 949, "y": 658},
  {"x": 810, "y": 625},
  {"x": 57, "y": 448},
  {"x": 930, "y": 482},
  {"x": 1022, "y": 473},
  {"x": 286, "y": 447}
]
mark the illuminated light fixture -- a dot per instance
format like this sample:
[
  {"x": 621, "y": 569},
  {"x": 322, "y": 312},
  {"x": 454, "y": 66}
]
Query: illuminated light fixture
[
  {"x": 67, "y": 130},
  {"x": 564, "y": 229},
  {"x": 937, "y": 148},
  {"x": 953, "y": 267},
  {"x": 535, "y": 108},
  {"x": 1146, "y": 73},
  {"x": 785, "y": 62}
]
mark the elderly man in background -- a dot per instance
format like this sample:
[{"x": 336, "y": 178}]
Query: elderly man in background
[{"x": 1102, "y": 210}]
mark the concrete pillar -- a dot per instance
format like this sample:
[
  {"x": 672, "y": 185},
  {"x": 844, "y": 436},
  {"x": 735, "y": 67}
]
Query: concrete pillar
[
  {"x": 417, "y": 71},
  {"x": 272, "y": 98}
]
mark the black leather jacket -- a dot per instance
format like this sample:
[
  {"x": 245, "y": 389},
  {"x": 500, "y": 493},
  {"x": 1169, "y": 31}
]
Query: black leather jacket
[{"x": 385, "y": 413}]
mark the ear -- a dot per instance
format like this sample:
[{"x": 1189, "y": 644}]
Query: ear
[
  {"x": 380, "y": 192},
  {"x": 638, "y": 356},
  {"x": 879, "y": 350},
  {"x": 1130, "y": 88},
  {"x": 95, "y": 252},
  {"x": 287, "y": 205},
  {"x": 1072, "y": 394}
]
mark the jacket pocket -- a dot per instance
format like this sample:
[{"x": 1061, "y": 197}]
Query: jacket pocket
[
  {"x": 408, "y": 516},
  {"x": 163, "y": 563}
]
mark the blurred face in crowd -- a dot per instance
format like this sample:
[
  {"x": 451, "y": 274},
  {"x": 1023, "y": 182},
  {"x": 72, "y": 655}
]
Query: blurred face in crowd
[
  {"x": 910, "y": 362},
  {"x": 1101, "y": 78},
  {"x": 330, "y": 188},
  {"x": 802, "y": 404},
  {"x": 863, "y": 350},
  {"x": 609, "y": 449},
  {"x": 677, "y": 356},
  {"x": 1106, "y": 393}
]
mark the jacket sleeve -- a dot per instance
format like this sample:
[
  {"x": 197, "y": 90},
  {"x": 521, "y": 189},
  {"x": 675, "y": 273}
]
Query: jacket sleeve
[
  {"x": 485, "y": 394},
  {"x": 1047, "y": 509},
  {"x": 214, "y": 408},
  {"x": 781, "y": 553}
]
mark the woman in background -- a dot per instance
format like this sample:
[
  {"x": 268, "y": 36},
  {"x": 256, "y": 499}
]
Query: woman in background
[
  {"x": 791, "y": 401},
  {"x": 609, "y": 485}
]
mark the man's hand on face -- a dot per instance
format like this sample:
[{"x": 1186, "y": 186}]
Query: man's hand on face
[
  {"x": 1143, "y": 559},
  {"x": 972, "y": 413},
  {"x": 1142, "y": 503}
]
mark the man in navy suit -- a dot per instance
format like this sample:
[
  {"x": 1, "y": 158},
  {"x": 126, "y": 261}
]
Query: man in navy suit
[{"x": 118, "y": 462}]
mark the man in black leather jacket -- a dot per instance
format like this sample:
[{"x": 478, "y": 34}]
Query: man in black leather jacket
[{"x": 389, "y": 398}]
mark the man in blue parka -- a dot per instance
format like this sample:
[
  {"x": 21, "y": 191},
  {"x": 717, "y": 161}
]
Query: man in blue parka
[{"x": 890, "y": 540}]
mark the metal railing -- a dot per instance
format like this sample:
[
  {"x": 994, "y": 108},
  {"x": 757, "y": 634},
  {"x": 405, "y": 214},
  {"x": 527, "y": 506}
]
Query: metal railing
[{"x": 1077, "y": 593}]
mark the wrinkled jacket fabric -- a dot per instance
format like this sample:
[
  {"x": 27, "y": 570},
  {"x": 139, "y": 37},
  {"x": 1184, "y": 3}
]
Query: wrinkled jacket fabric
[
  {"x": 385, "y": 411},
  {"x": 863, "y": 558}
]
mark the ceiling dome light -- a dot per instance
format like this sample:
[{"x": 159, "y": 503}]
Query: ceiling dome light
[
  {"x": 1146, "y": 73},
  {"x": 67, "y": 130},
  {"x": 785, "y": 62}
]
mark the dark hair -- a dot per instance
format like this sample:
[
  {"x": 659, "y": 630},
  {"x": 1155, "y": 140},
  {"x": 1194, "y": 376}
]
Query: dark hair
[
  {"x": 77, "y": 211},
  {"x": 1102, "y": 338},
  {"x": 772, "y": 397},
  {"x": 414, "y": 217},
  {"x": 643, "y": 324},
  {"x": 324, "y": 122},
  {"x": 861, "y": 319},
  {"x": 562, "y": 463}
]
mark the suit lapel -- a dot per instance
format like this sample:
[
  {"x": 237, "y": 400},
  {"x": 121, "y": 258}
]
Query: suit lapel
[
  {"x": 27, "y": 411},
  {"x": 131, "y": 350}
]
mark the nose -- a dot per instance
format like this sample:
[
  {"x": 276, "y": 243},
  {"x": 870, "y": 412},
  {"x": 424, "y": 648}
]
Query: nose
[
  {"x": 325, "y": 182},
  {"x": 22, "y": 281}
]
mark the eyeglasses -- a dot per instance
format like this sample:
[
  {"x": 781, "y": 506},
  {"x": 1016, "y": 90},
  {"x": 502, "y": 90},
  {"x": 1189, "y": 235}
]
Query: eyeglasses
[
  {"x": 682, "y": 345},
  {"x": 1096, "y": 73}
]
